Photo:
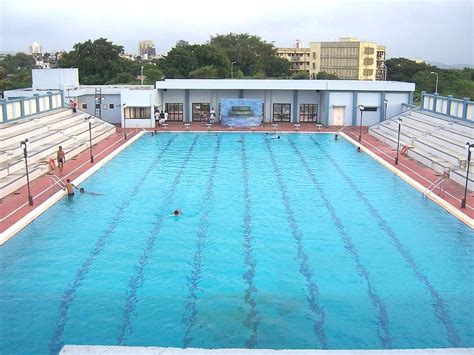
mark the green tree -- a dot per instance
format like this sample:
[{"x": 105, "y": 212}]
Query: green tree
[
  {"x": 206, "y": 72},
  {"x": 99, "y": 62},
  {"x": 152, "y": 74},
  {"x": 185, "y": 59},
  {"x": 252, "y": 55},
  {"x": 322, "y": 75},
  {"x": 300, "y": 75}
]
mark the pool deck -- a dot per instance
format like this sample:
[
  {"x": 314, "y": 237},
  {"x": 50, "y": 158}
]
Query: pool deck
[
  {"x": 14, "y": 208},
  {"x": 125, "y": 350}
]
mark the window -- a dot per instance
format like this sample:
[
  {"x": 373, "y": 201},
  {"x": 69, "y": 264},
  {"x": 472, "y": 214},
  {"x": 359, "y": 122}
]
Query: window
[
  {"x": 370, "y": 108},
  {"x": 175, "y": 112},
  {"x": 111, "y": 106},
  {"x": 137, "y": 112},
  {"x": 308, "y": 113},
  {"x": 104, "y": 106},
  {"x": 281, "y": 112},
  {"x": 201, "y": 112},
  {"x": 84, "y": 106}
]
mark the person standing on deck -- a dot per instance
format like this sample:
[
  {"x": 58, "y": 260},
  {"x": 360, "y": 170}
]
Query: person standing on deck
[{"x": 61, "y": 158}]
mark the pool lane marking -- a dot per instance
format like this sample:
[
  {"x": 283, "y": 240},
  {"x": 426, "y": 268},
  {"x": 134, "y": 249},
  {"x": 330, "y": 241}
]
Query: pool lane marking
[
  {"x": 190, "y": 307},
  {"x": 252, "y": 320},
  {"x": 439, "y": 305},
  {"x": 380, "y": 309},
  {"x": 136, "y": 281},
  {"x": 313, "y": 291},
  {"x": 70, "y": 293}
]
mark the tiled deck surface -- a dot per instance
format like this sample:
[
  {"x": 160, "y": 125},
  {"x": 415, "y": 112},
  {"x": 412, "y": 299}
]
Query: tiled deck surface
[{"x": 15, "y": 206}]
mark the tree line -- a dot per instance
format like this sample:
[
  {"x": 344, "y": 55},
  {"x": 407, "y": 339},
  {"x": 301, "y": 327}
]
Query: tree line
[{"x": 242, "y": 56}]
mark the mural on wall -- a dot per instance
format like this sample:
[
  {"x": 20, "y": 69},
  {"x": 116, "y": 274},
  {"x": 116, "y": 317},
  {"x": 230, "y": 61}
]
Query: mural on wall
[{"x": 241, "y": 112}]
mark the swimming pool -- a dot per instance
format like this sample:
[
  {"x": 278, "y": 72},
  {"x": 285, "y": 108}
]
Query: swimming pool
[{"x": 298, "y": 242}]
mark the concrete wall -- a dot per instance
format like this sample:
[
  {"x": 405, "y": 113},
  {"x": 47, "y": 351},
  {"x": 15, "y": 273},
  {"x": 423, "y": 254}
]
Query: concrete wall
[
  {"x": 395, "y": 101},
  {"x": 340, "y": 99},
  {"x": 55, "y": 79},
  {"x": 111, "y": 115},
  {"x": 372, "y": 99}
]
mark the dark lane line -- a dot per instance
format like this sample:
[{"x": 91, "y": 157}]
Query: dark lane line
[
  {"x": 136, "y": 281},
  {"x": 380, "y": 309},
  {"x": 190, "y": 308},
  {"x": 439, "y": 305},
  {"x": 69, "y": 295},
  {"x": 312, "y": 289}
]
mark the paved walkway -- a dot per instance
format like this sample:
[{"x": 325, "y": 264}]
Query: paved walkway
[{"x": 15, "y": 206}]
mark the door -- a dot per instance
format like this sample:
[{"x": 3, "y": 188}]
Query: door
[{"x": 338, "y": 114}]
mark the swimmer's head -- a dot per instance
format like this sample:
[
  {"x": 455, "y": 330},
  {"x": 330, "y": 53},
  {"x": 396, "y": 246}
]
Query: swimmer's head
[
  {"x": 81, "y": 190},
  {"x": 176, "y": 212}
]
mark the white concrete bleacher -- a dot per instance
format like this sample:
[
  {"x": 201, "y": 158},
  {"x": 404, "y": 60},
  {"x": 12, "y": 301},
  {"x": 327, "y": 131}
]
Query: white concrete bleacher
[
  {"x": 45, "y": 132},
  {"x": 434, "y": 140}
]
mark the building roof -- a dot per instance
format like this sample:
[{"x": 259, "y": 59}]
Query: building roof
[{"x": 328, "y": 85}]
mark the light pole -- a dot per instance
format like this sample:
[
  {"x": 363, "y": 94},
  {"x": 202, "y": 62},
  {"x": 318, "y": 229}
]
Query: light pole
[
  {"x": 384, "y": 72},
  {"x": 23, "y": 145},
  {"x": 398, "y": 139},
  {"x": 232, "y": 70},
  {"x": 124, "y": 118},
  {"x": 141, "y": 74},
  {"x": 469, "y": 146},
  {"x": 435, "y": 73},
  {"x": 90, "y": 119},
  {"x": 361, "y": 108},
  {"x": 385, "y": 103}
]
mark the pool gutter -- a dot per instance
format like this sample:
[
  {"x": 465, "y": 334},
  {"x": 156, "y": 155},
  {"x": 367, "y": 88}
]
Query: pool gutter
[{"x": 435, "y": 198}]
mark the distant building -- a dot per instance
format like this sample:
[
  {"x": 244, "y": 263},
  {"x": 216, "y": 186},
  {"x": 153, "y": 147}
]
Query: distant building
[
  {"x": 348, "y": 59},
  {"x": 146, "y": 49},
  {"x": 297, "y": 56},
  {"x": 35, "y": 48}
]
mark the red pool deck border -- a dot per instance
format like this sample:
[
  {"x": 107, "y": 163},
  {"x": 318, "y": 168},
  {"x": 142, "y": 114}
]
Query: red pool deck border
[{"x": 15, "y": 206}]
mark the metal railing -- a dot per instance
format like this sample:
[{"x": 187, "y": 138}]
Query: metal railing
[
  {"x": 55, "y": 181},
  {"x": 437, "y": 184}
]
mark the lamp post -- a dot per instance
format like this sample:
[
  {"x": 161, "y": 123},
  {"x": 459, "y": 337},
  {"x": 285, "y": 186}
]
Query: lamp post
[
  {"x": 124, "y": 118},
  {"x": 469, "y": 146},
  {"x": 361, "y": 108},
  {"x": 436, "y": 88},
  {"x": 141, "y": 74},
  {"x": 398, "y": 139},
  {"x": 90, "y": 119},
  {"x": 385, "y": 103},
  {"x": 23, "y": 145},
  {"x": 232, "y": 70}
]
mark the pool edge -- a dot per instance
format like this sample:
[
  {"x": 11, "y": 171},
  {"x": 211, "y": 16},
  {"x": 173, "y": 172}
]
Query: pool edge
[
  {"x": 11, "y": 231},
  {"x": 436, "y": 199}
]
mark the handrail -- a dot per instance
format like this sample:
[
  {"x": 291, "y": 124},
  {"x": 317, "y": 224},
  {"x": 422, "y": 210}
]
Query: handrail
[
  {"x": 436, "y": 184},
  {"x": 391, "y": 118},
  {"x": 53, "y": 181}
]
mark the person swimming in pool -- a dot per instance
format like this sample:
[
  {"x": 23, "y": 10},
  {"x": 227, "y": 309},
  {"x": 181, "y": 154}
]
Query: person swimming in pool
[
  {"x": 83, "y": 191},
  {"x": 176, "y": 212}
]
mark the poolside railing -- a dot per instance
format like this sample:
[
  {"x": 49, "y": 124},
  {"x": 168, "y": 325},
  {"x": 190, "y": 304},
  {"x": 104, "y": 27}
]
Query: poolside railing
[
  {"x": 448, "y": 106},
  {"x": 23, "y": 107}
]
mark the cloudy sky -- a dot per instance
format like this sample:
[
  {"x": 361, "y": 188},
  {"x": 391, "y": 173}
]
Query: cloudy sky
[{"x": 435, "y": 30}]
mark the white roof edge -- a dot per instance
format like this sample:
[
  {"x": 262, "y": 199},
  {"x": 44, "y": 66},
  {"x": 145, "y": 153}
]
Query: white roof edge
[{"x": 329, "y": 85}]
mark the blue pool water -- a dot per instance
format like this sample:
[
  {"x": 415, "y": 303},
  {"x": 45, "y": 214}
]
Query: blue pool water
[{"x": 299, "y": 242}]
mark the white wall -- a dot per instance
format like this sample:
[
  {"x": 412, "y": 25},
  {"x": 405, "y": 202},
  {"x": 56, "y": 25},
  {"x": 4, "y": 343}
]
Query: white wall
[
  {"x": 55, "y": 79},
  {"x": 340, "y": 99},
  {"x": 138, "y": 98},
  {"x": 369, "y": 99},
  {"x": 394, "y": 105}
]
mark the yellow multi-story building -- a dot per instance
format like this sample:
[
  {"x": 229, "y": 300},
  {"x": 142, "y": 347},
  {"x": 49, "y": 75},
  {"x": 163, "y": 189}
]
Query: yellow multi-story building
[
  {"x": 348, "y": 59},
  {"x": 297, "y": 56}
]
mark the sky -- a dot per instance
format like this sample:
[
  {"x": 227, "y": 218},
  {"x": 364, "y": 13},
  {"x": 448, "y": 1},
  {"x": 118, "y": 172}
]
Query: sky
[{"x": 435, "y": 31}]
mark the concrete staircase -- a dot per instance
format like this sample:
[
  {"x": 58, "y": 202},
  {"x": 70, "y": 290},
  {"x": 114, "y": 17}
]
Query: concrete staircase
[
  {"x": 45, "y": 132},
  {"x": 433, "y": 140}
]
